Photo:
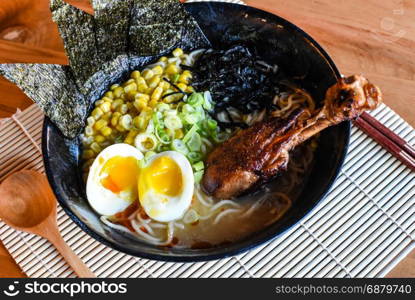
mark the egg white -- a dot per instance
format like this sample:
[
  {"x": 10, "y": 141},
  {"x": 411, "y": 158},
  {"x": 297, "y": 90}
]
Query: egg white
[
  {"x": 102, "y": 200},
  {"x": 164, "y": 208}
]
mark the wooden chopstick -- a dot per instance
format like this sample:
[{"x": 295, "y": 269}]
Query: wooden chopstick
[{"x": 389, "y": 140}]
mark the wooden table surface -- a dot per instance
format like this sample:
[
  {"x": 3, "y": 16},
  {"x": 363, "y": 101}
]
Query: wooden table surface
[{"x": 375, "y": 38}]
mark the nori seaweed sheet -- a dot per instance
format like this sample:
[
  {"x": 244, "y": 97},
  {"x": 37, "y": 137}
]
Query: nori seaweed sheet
[
  {"x": 112, "y": 20},
  {"x": 77, "y": 30},
  {"x": 121, "y": 36},
  {"x": 157, "y": 38},
  {"x": 53, "y": 89},
  {"x": 150, "y": 12}
]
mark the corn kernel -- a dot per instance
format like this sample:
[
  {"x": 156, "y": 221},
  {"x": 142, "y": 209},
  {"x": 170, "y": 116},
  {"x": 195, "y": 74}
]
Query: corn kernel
[
  {"x": 96, "y": 147},
  {"x": 156, "y": 94},
  {"x": 177, "y": 52},
  {"x": 187, "y": 73},
  {"x": 129, "y": 140},
  {"x": 126, "y": 121},
  {"x": 178, "y": 134},
  {"x": 107, "y": 116},
  {"x": 118, "y": 92},
  {"x": 190, "y": 89},
  {"x": 164, "y": 85},
  {"x": 184, "y": 78},
  {"x": 148, "y": 111},
  {"x": 116, "y": 103},
  {"x": 130, "y": 95},
  {"x": 115, "y": 117},
  {"x": 90, "y": 121},
  {"x": 109, "y": 94},
  {"x": 114, "y": 86},
  {"x": 143, "y": 97},
  {"x": 107, "y": 99},
  {"x": 135, "y": 74},
  {"x": 182, "y": 86},
  {"x": 89, "y": 131},
  {"x": 87, "y": 154},
  {"x": 153, "y": 103},
  {"x": 153, "y": 82},
  {"x": 131, "y": 80},
  {"x": 139, "y": 122},
  {"x": 105, "y": 107},
  {"x": 87, "y": 140},
  {"x": 140, "y": 80},
  {"x": 163, "y": 58},
  {"x": 123, "y": 109},
  {"x": 157, "y": 70},
  {"x": 147, "y": 74},
  {"x": 132, "y": 133},
  {"x": 97, "y": 113},
  {"x": 130, "y": 87},
  {"x": 99, "y": 138},
  {"x": 119, "y": 128},
  {"x": 149, "y": 91},
  {"x": 142, "y": 87},
  {"x": 106, "y": 131},
  {"x": 140, "y": 104},
  {"x": 172, "y": 69},
  {"x": 177, "y": 97},
  {"x": 99, "y": 124},
  {"x": 98, "y": 103}
]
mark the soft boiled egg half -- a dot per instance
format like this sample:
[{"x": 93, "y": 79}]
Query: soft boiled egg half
[
  {"x": 112, "y": 181},
  {"x": 163, "y": 184}
]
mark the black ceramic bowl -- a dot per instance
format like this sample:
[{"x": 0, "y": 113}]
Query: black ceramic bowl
[{"x": 278, "y": 41}]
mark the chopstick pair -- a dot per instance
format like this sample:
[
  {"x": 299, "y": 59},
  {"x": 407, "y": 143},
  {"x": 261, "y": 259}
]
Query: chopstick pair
[{"x": 389, "y": 140}]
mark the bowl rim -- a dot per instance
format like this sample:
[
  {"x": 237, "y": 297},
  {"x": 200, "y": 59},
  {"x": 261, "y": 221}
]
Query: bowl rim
[{"x": 235, "y": 248}]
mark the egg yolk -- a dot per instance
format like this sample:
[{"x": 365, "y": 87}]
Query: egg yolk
[
  {"x": 121, "y": 174},
  {"x": 164, "y": 176}
]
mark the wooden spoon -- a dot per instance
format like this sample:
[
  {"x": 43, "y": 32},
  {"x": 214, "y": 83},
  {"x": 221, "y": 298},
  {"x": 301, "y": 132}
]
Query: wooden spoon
[{"x": 27, "y": 203}]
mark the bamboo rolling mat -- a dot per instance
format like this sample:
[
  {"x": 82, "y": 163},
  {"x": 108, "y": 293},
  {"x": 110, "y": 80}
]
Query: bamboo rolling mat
[{"x": 362, "y": 228}]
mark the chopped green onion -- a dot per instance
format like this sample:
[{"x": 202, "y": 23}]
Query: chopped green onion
[
  {"x": 161, "y": 107},
  {"x": 212, "y": 124},
  {"x": 198, "y": 176},
  {"x": 179, "y": 146},
  {"x": 191, "y": 118},
  {"x": 173, "y": 122},
  {"x": 187, "y": 109},
  {"x": 157, "y": 120},
  {"x": 198, "y": 166},
  {"x": 190, "y": 133},
  {"x": 194, "y": 157},
  {"x": 195, "y": 99},
  {"x": 150, "y": 127},
  {"x": 145, "y": 142},
  {"x": 194, "y": 142},
  {"x": 162, "y": 136}
]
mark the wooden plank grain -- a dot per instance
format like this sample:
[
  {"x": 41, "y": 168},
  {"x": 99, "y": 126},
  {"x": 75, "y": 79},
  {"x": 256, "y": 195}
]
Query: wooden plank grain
[{"x": 8, "y": 267}]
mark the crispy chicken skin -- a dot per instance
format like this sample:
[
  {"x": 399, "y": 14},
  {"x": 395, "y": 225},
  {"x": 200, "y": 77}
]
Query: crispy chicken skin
[{"x": 256, "y": 154}]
